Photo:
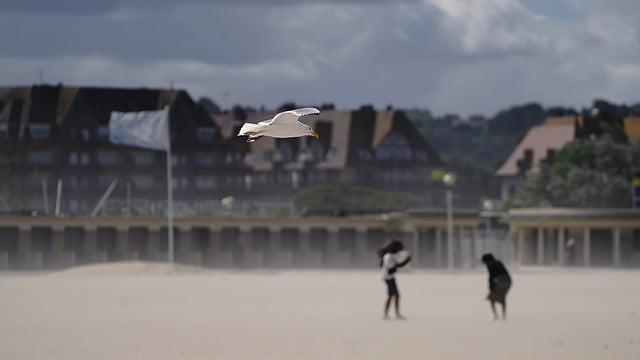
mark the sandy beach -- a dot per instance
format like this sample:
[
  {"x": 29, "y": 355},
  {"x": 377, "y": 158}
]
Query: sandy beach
[{"x": 153, "y": 311}]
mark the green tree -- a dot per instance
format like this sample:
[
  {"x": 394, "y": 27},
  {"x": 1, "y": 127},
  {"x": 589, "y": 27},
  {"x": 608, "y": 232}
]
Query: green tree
[{"x": 585, "y": 173}]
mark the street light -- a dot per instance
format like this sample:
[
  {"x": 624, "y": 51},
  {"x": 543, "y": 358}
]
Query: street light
[
  {"x": 449, "y": 180},
  {"x": 487, "y": 206}
]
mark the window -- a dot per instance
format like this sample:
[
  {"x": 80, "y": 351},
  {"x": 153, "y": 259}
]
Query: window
[
  {"x": 317, "y": 150},
  {"x": 105, "y": 180},
  {"x": 35, "y": 181},
  {"x": 178, "y": 160},
  {"x": 205, "y": 159},
  {"x": 206, "y": 182},
  {"x": 85, "y": 159},
  {"x": 40, "y": 157},
  {"x": 108, "y": 157},
  {"x": 143, "y": 158},
  {"x": 364, "y": 154},
  {"x": 79, "y": 158},
  {"x": 267, "y": 155},
  {"x": 180, "y": 182},
  {"x": 74, "y": 206},
  {"x": 286, "y": 151},
  {"x": 260, "y": 178},
  {"x": 248, "y": 182},
  {"x": 80, "y": 134},
  {"x": 204, "y": 134},
  {"x": 39, "y": 132},
  {"x": 284, "y": 178},
  {"x": 79, "y": 181},
  {"x": 142, "y": 181},
  {"x": 103, "y": 133}
]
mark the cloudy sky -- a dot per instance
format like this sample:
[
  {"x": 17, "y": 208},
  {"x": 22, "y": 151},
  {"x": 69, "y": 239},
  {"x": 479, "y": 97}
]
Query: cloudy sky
[{"x": 463, "y": 56}]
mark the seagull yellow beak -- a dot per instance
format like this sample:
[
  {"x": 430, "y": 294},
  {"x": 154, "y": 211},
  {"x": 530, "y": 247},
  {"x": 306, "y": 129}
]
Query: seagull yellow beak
[{"x": 315, "y": 134}]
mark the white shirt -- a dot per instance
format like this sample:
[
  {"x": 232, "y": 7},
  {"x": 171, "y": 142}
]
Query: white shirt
[{"x": 389, "y": 261}]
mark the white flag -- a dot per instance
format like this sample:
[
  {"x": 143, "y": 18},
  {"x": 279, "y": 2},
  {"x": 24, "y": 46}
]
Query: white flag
[{"x": 145, "y": 129}]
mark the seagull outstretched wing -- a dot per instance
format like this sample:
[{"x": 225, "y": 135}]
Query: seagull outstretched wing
[{"x": 291, "y": 116}]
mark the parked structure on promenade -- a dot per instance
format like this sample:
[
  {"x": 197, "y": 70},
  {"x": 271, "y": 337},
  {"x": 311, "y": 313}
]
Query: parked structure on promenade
[{"x": 55, "y": 153}]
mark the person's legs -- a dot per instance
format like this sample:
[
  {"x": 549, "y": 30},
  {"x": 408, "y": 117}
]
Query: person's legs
[
  {"x": 504, "y": 309},
  {"x": 493, "y": 310},
  {"x": 386, "y": 306},
  {"x": 398, "y": 315}
]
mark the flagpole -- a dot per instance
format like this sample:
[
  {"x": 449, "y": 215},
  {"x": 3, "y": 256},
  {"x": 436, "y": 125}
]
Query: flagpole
[{"x": 169, "y": 190}]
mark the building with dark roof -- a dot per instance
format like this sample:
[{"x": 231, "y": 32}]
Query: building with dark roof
[{"x": 57, "y": 137}]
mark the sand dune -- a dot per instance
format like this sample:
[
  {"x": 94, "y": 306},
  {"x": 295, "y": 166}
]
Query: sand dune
[{"x": 136, "y": 311}]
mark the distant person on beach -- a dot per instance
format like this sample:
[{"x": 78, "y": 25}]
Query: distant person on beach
[
  {"x": 499, "y": 284},
  {"x": 392, "y": 256},
  {"x": 571, "y": 251}
]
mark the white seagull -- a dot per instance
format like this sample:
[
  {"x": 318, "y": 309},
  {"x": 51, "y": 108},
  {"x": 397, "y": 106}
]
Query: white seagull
[{"x": 283, "y": 125}]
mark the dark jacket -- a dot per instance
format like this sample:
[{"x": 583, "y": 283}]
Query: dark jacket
[{"x": 497, "y": 272}]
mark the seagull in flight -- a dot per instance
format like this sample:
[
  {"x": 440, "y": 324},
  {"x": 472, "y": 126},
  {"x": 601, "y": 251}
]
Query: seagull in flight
[{"x": 283, "y": 125}]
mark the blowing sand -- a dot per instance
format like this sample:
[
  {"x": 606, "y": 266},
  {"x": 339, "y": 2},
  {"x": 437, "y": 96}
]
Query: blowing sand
[{"x": 152, "y": 311}]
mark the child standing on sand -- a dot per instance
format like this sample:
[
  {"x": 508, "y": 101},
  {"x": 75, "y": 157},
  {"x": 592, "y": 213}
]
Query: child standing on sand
[
  {"x": 392, "y": 256},
  {"x": 499, "y": 284}
]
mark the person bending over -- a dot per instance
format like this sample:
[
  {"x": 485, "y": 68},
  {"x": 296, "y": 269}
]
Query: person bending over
[{"x": 499, "y": 284}]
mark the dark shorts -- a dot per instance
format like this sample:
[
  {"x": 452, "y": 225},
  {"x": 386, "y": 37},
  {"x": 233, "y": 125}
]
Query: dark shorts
[
  {"x": 392, "y": 288},
  {"x": 500, "y": 290}
]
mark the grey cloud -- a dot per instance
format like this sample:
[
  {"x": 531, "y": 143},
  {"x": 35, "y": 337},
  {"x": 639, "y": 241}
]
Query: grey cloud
[
  {"x": 96, "y": 7},
  {"x": 456, "y": 56}
]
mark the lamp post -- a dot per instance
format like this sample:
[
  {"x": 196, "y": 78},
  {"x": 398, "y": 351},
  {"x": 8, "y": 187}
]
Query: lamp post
[
  {"x": 449, "y": 180},
  {"x": 487, "y": 206}
]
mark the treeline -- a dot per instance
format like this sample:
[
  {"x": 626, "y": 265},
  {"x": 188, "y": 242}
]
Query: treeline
[
  {"x": 584, "y": 174},
  {"x": 475, "y": 147},
  {"x": 485, "y": 143}
]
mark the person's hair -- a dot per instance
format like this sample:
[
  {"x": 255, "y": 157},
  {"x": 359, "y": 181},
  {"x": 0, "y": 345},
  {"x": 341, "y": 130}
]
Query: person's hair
[
  {"x": 392, "y": 247},
  {"x": 487, "y": 258}
]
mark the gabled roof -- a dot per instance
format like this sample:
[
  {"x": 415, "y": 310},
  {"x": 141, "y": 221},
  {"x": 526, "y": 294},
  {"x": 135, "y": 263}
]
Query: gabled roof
[
  {"x": 343, "y": 134},
  {"x": 553, "y": 134},
  {"x": 60, "y": 105}
]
